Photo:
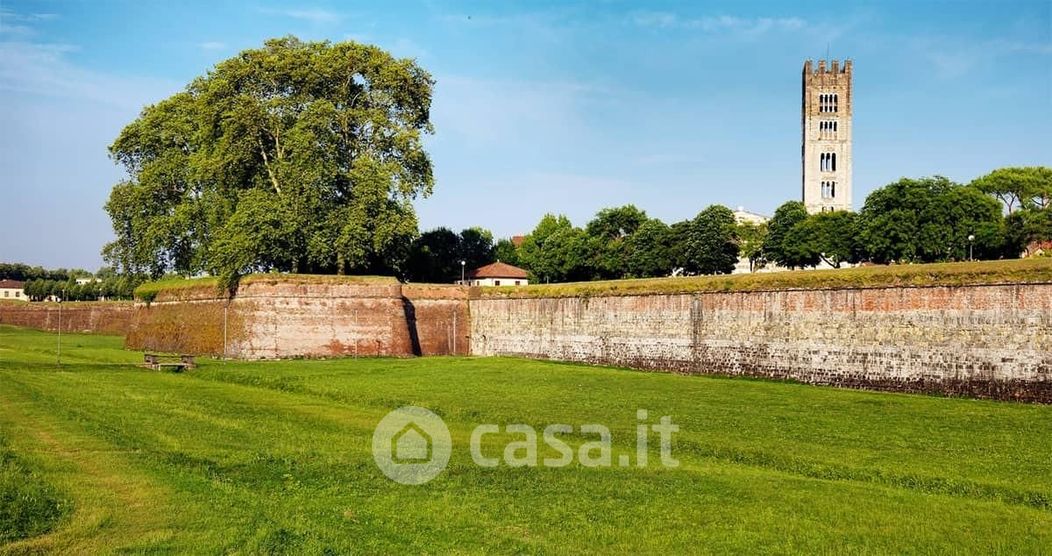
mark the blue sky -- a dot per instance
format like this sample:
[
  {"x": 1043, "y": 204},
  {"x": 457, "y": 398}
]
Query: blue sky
[{"x": 544, "y": 107}]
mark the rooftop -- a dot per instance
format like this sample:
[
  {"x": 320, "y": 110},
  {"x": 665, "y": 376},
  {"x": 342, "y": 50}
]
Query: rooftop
[{"x": 498, "y": 270}]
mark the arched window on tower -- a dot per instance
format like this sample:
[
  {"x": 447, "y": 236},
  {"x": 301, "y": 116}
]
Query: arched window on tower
[{"x": 832, "y": 162}]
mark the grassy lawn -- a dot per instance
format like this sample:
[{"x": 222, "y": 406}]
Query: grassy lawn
[{"x": 274, "y": 457}]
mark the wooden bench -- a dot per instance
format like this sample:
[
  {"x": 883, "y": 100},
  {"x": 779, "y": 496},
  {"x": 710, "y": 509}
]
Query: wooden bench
[{"x": 175, "y": 363}]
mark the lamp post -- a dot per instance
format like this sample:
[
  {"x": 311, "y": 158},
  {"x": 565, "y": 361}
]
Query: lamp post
[
  {"x": 58, "y": 357},
  {"x": 971, "y": 241},
  {"x": 462, "y": 263}
]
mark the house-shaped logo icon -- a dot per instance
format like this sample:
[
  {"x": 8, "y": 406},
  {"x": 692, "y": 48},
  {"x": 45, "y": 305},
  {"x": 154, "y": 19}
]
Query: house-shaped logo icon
[{"x": 412, "y": 444}]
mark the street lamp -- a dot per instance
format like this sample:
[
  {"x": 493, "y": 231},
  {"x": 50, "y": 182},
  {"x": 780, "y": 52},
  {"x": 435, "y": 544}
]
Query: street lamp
[
  {"x": 58, "y": 357},
  {"x": 971, "y": 241},
  {"x": 462, "y": 263}
]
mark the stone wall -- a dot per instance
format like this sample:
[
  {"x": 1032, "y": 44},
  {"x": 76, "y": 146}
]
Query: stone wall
[
  {"x": 274, "y": 319},
  {"x": 103, "y": 317},
  {"x": 437, "y": 319},
  {"x": 985, "y": 341}
]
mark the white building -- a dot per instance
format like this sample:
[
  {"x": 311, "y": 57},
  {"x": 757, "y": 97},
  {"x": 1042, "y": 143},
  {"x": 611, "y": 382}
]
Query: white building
[
  {"x": 742, "y": 216},
  {"x": 497, "y": 274},
  {"x": 13, "y": 290}
]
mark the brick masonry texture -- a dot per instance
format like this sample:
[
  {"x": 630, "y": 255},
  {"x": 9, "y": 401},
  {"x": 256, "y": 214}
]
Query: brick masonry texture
[
  {"x": 278, "y": 320},
  {"x": 104, "y": 317},
  {"x": 984, "y": 341}
]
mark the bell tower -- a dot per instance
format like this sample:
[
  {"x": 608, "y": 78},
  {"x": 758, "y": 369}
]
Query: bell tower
[{"x": 826, "y": 136}]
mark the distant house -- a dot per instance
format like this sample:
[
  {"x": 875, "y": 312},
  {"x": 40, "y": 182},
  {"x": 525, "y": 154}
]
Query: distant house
[
  {"x": 1038, "y": 249},
  {"x": 743, "y": 216},
  {"x": 13, "y": 289},
  {"x": 497, "y": 274}
]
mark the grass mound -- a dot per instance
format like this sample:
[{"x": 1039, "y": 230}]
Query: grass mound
[
  {"x": 1019, "y": 271},
  {"x": 210, "y": 284},
  {"x": 29, "y": 506}
]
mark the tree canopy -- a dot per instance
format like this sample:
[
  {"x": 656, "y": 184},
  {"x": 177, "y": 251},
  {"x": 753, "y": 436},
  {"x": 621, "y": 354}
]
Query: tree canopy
[
  {"x": 928, "y": 220},
  {"x": 776, "y": 248},
  {"x": 1028, "y": 187},
  {"x": 710, "y": 242},
  {"x": 297, "y": 156},
  {"x": 436, "y": 255}
]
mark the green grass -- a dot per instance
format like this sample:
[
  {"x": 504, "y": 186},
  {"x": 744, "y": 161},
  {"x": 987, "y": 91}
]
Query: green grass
[
  {"x": 209, "y": 285},
  {"x": 274, "y": 457},
  {"x": 29, "y": 506},
  {"x": 1019, "y": 271}
]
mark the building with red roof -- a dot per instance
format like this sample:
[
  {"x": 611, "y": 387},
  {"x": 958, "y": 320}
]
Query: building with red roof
[
  {"x": 497, "y": 274},
  {"x": 13, "y": 290}
]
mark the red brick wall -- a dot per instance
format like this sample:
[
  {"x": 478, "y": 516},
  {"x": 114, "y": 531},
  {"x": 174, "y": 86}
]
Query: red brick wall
[
  {"x": 438, "y": 319},
  {"x": 102, "y": 317}
]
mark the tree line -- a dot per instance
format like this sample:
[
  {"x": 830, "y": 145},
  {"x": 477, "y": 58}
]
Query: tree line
[
  {"x": 107, "y": 288},
  {"x": 61, "y": 283},
  {"x": 23, "y": 272},
  {"x": 910, "y": 221}
]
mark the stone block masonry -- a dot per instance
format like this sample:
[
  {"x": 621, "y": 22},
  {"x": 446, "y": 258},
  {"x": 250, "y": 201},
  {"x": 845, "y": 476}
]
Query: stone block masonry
[{"x": 990, "y": 341}]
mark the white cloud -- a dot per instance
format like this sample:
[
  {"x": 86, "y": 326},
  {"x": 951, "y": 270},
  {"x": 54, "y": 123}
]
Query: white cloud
[
  {"x": 212, "y": 45},
  {"x": 316, "y": 16},
  {"x": 8, "y": 16},
  {"x": 42, "y": 69},
  {"x": 16, "y": 25},
  {"x": 718, "y": 24}
]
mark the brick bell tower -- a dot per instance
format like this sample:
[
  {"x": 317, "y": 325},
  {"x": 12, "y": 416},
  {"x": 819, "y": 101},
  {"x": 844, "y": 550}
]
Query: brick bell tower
[{"x": 826, "y": 136}]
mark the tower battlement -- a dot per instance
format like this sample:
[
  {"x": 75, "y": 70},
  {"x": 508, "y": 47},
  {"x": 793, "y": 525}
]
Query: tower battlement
[
  {"x": 826, "y": 110},
  {"x": 833, "y": 66}
]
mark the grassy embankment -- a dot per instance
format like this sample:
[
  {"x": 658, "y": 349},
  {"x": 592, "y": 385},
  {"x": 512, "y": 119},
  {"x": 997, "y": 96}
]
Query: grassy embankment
[
  {"x": 275, "y": 456},
  {"x": 148, "y": 291},
  {"x": 1017, "y": 271}
]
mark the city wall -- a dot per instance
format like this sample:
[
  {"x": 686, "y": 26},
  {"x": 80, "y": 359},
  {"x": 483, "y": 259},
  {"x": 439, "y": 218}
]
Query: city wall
[
  {"x": 103, "y": 317},
  {"x": 979, "y": 340},
  {"x": 982, "y": 340},
  {"x": 275, "y": 319}
]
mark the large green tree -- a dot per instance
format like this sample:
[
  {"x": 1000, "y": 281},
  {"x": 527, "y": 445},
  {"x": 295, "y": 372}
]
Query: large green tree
[
  {"x": 928, "y": 220},
  {"x": 607, "y": 234},
  {"x": 1027, "y": 187},
  {"x": 711, "y": 242},
  {"x": 436, "y": 255},
  {"x": 532, "y": 251},
  {"x": 830, "y": 237},
  {"x": 650, "y": 250},
  {"x": 1024, "y": 228},
  {"x": 506, "y": 251},
  {"x": 775, "y": 247},
  {"x": 298, "y": 157}
]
